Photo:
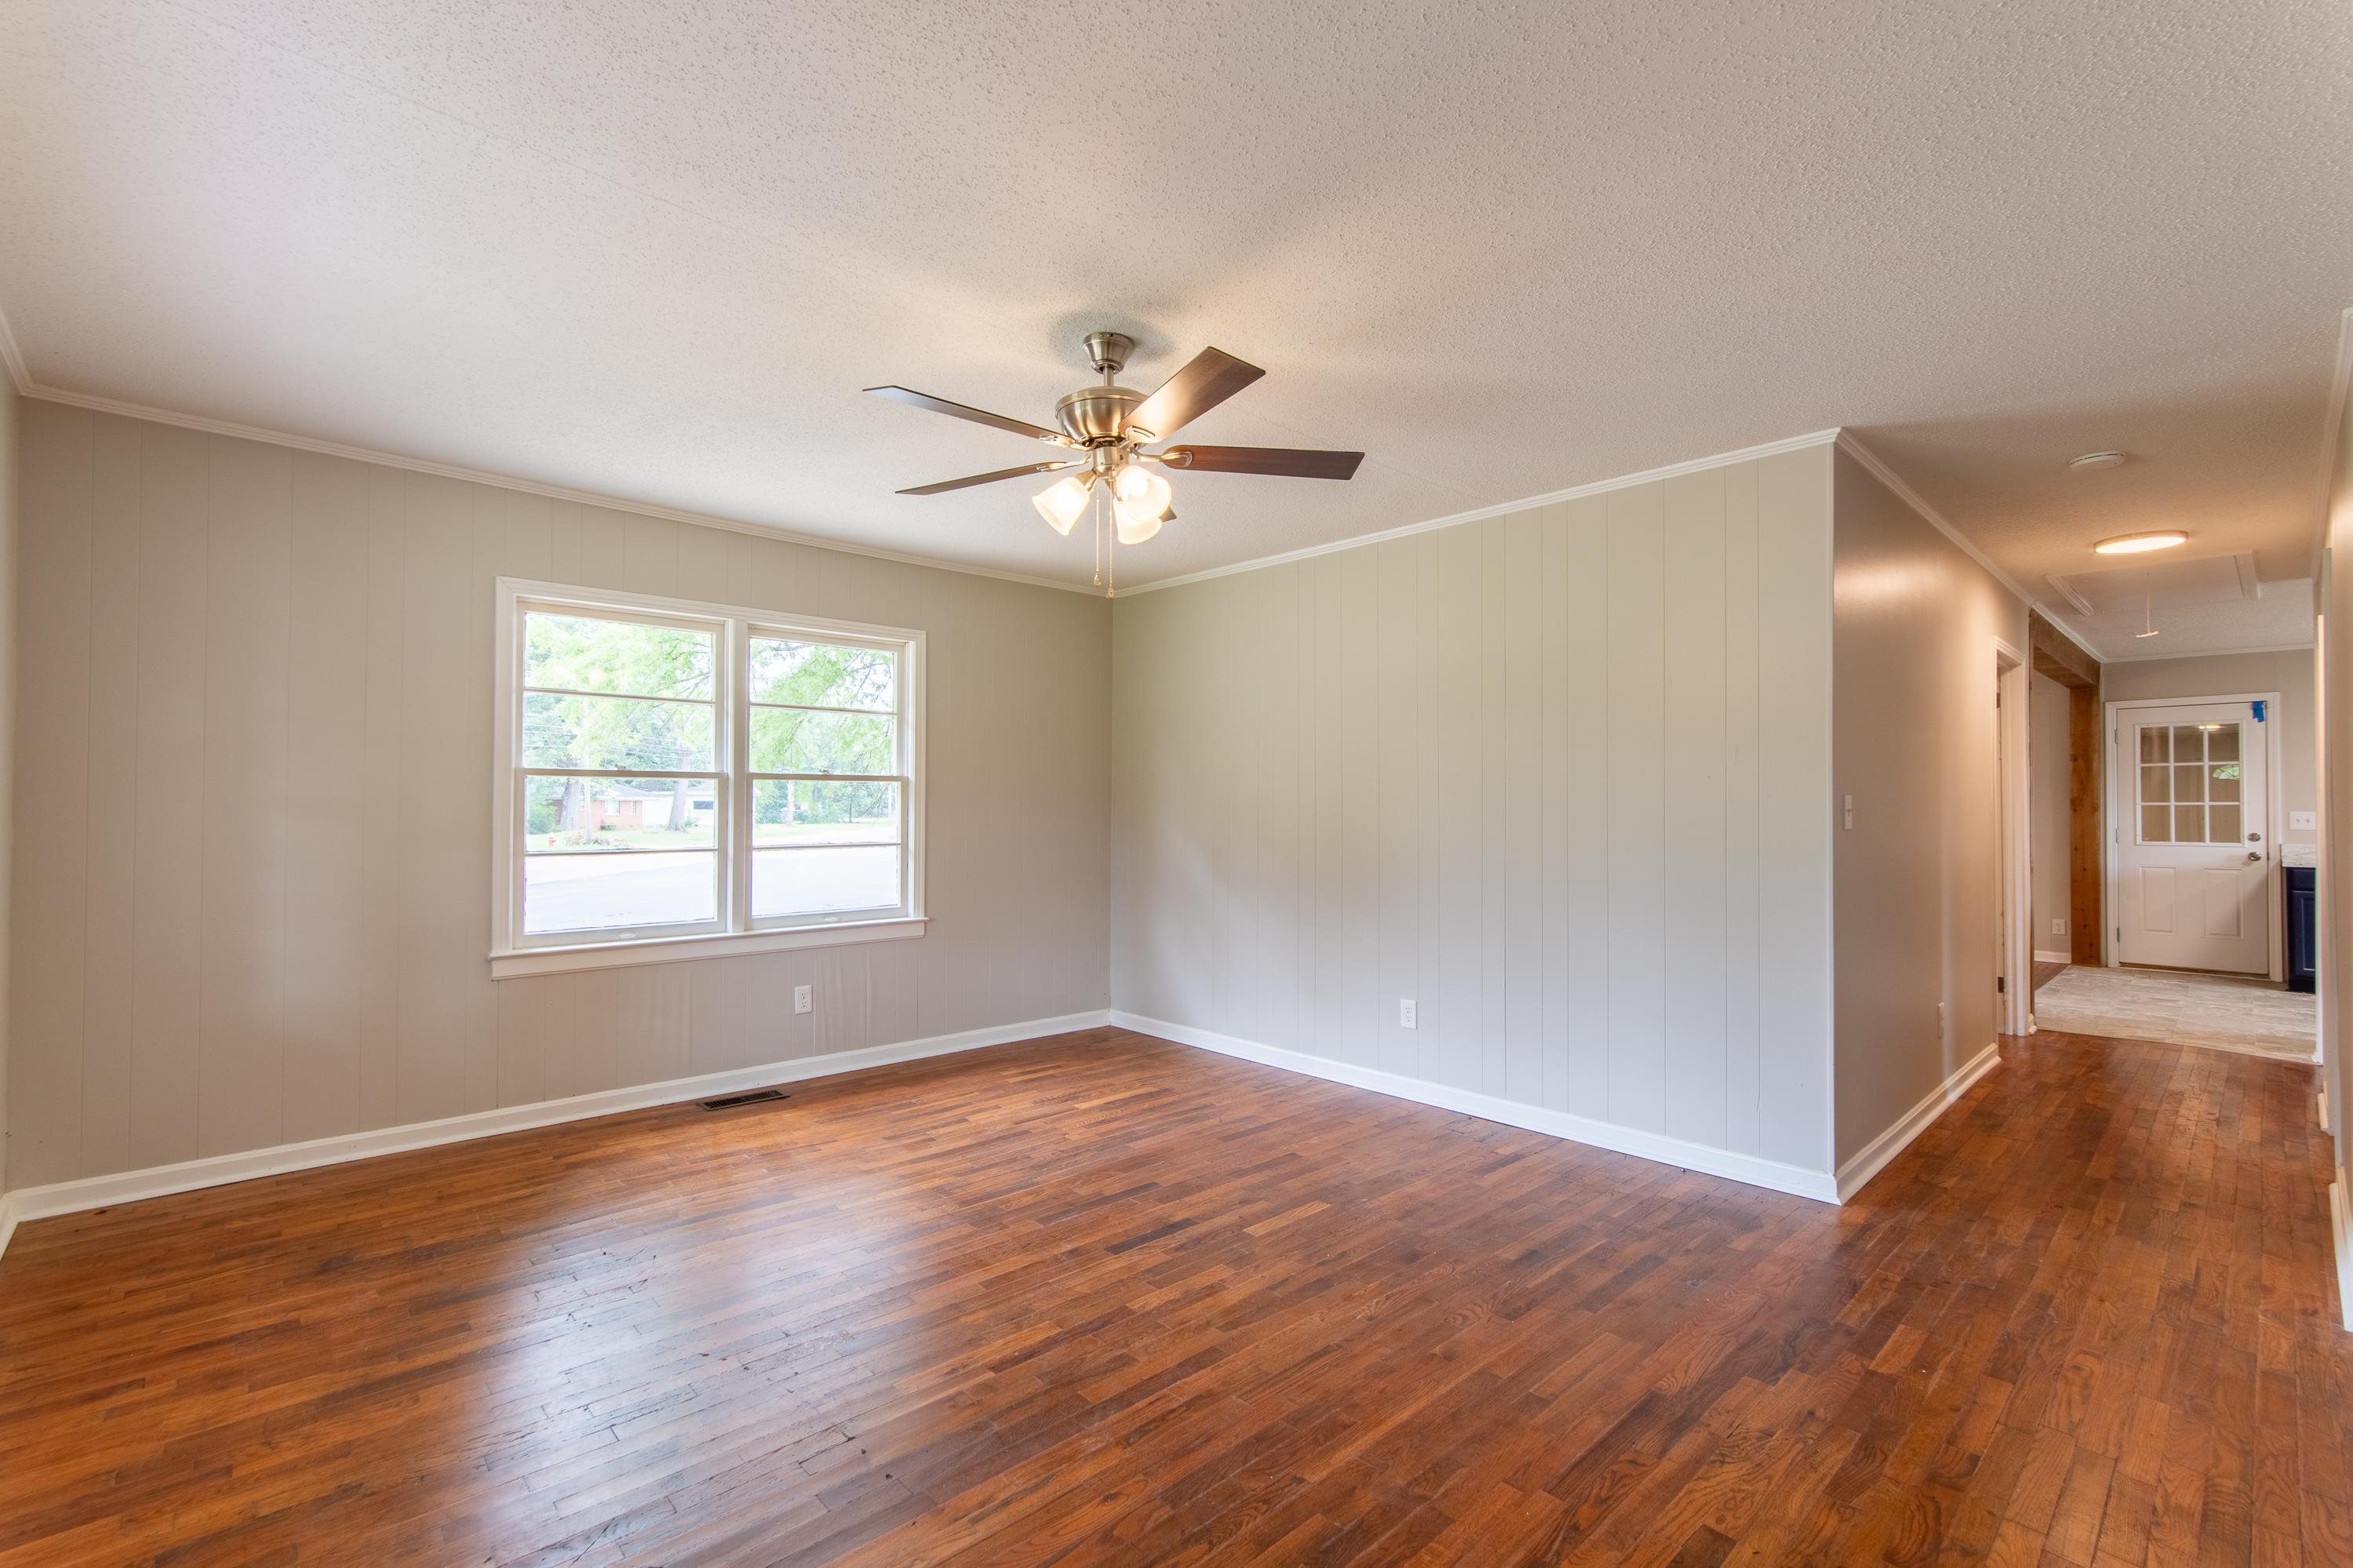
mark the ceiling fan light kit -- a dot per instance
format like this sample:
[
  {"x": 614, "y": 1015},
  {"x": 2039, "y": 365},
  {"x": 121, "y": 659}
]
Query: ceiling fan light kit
[{"x": 1109, "y": 425}]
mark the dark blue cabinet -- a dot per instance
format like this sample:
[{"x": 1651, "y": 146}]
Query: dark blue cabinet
[{"x": 2303, "y": 927}]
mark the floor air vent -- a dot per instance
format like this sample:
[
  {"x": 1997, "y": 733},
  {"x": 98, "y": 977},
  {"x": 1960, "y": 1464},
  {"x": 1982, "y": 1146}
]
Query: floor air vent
[{"x": 749, "y": 1097}]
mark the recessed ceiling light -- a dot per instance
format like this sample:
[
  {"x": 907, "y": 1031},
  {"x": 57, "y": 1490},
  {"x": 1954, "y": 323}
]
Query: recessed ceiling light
[
  {"x": 2091, "y": 461},
  {"x": 2134, "y": 544}
]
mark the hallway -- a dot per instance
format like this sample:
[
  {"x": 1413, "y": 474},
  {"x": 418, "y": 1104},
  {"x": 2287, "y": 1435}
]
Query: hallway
[{"x": 2219, "y": 1012}]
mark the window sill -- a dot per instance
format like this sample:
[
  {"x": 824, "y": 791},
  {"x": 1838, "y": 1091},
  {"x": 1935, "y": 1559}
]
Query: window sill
[{"x": 515, "y": 962}]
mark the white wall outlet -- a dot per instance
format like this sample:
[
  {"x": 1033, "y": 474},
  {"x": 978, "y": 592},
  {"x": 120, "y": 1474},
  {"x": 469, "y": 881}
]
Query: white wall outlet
[
  {"x": 1940, "y": 1023},
  {"x": 1847, "y": 811},
  {"x": 2058, "y": 928},
  {"x": 801, "y": 1003},
  {"x": 2303, "y": 822},
  {"x": 1405, "y": 1013}
]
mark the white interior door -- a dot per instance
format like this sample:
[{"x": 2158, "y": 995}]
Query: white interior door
[{"x": 2193, "y": 842}]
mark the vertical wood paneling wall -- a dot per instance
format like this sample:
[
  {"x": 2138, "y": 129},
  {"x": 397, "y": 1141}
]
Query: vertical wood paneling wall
[
  {"x": 1562, "y": 776},
  {"x": 252, "y": 899}
]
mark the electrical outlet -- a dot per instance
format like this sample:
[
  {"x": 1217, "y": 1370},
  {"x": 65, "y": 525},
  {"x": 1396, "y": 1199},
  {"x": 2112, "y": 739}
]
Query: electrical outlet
[
  {"x": 1940, "y": 1023},
  {"x": 1405, "y": 1013},
  {"x": 2303, "y": 822},
  {"x": 2058, "y": 928},
  {"x": 801, "y": 1003}
]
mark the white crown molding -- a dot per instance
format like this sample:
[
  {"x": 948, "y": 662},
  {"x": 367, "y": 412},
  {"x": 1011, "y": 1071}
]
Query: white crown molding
[
  {"x": 14, "y": 358},
  {"x": 2215, "y": 653},
  {"x": 508, "y": 482},
  {"x": 1658, "y": 1147},
  {"x": 2340, "y": 386},
  {"x": 1851, "y": 445},
  {"x": 1500, "y": 509},
  {"x": 220, "y": 1170}
]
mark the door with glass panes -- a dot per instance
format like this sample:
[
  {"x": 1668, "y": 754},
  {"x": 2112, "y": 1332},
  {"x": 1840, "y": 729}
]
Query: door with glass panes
[{"x": 2192, "y": 842}]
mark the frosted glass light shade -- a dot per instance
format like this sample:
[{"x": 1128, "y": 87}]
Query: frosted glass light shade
[
  {"x": 1135, "y": 526},
  {"x": 1145, "y": 492},
  {"x": 1061, "y": 502}
]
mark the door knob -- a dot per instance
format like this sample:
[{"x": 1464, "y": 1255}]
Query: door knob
[{"x": 2253, "y": 856}]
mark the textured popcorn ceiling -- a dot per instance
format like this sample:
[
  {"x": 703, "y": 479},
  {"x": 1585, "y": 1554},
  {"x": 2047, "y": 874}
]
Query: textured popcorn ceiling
[{"x": 654, "y": 249}]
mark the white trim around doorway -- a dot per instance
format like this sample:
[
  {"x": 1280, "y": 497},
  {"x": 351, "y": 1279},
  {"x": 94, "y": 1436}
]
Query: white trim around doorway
[{"x": 2014, "y": 933}]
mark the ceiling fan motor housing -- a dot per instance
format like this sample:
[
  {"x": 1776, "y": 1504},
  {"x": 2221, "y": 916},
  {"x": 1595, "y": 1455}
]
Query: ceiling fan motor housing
[{"x": 1093, "y": 415}]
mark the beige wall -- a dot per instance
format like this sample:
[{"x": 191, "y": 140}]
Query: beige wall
[
  {"x": 12, "y": 414},
  {"x": 1561, "y": 776},
  {"x": 1916, "y": 623},
  {"x": 294, "y": 639},
  {"x": 2336, "y": 780},
  {"x": 2047, "y": 751},
  {"x": 2289, "y": 673}
]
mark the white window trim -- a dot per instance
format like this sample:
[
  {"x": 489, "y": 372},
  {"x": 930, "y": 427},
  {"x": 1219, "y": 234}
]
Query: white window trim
[{"x": 511, "y": 956}]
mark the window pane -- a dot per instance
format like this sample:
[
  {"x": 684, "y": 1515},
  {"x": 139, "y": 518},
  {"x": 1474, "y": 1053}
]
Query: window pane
[
  {"x": 2156, "y": 825},
  {"x": 574, "y": 814},
  {"x": 824, "y": 881},
  {"x": 2152, "y": 745},
  {"x": 795, "y": 811},
  {"x": 792, "y": 741},
  {"x": 2189, "y": 825},
  {"x": 2188, "y": 782},
  {"x": 614, "y": 732},
  {"x": 823, "y": 675},
  {"x": 2189, "y": 743},
  {"x": 2222, "y": 743},
  {"x": 2223, "y": 781},
  {"x": 2155, "y": 784},
  {"x": 619, "y": 892},
  {"x": 2223, "y": 825},
  {"x": 587, "y": 653}
]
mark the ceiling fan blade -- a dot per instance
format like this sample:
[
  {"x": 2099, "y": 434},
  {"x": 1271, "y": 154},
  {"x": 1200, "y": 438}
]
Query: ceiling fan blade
[
  {"x": 1209, "y": 379},
  {"x": 1024, "y": 470},
  {"x": 1293, "y": 462},
  {"x": 961, "y": 411}
]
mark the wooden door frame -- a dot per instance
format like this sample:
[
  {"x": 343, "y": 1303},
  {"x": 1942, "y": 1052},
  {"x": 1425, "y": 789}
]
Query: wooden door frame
[
  {"x": 2272, "y": 816},
  {"x": 2064, "y": 660},
  {"x": 2014, "y": 917}
]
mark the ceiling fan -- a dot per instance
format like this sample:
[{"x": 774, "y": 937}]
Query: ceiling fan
[{"x": 1109, "y": 425}]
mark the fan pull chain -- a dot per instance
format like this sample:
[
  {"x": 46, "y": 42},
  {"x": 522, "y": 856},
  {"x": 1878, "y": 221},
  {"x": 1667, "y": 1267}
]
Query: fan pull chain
[{"x": 1099, "y": 542}]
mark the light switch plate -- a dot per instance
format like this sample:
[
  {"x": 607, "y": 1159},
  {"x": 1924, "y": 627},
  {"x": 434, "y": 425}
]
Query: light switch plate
[{"x": 2302, "y": 821}]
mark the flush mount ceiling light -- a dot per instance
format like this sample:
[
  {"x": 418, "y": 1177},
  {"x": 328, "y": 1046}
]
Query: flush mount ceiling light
[
  {"x": 1108, "y": 427},
  {"x": 2091, "y": 461},
  {"x": 2134, "y": 544}
]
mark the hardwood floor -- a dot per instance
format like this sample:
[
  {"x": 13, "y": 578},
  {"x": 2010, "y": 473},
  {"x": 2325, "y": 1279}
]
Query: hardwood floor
[{"x": 1106, "y": 1299}]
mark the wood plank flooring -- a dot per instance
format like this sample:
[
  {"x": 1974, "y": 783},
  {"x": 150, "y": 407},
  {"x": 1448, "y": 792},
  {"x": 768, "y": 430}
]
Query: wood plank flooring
[{"x": 1107, "y": 1299}]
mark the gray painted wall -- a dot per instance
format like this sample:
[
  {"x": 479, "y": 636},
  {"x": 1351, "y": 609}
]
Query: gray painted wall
[
  {"x": 2047, "y": 749},
  {"x": 1915, "y": 660},
  {"x": 254, "y": 902},
  {"x": 12, "y": 415},
  {"x": 1561, "y": 776}
]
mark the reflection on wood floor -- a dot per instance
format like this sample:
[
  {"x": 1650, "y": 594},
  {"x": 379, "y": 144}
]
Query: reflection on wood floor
[{"x": 1102, "y": 1299}]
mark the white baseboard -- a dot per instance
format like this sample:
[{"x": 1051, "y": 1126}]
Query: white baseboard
[
  {"x": 2042, "y": 957},
  {"x": 2340, "y": 1226},
  {"x": 7, "y": 1220},
  {"x": 99, "y": 1191},
  {"x": 1749, "y": 1168},
  {"x": 1872, "y": 1158}
]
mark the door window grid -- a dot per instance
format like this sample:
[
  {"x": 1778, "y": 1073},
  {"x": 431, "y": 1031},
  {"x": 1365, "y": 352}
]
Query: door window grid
[{"x": 2188, "y": 789}]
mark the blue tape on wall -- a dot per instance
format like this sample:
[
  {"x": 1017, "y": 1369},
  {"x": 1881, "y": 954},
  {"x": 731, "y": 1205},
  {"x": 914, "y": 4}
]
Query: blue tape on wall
[{"x": 2259, "y": 712}]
